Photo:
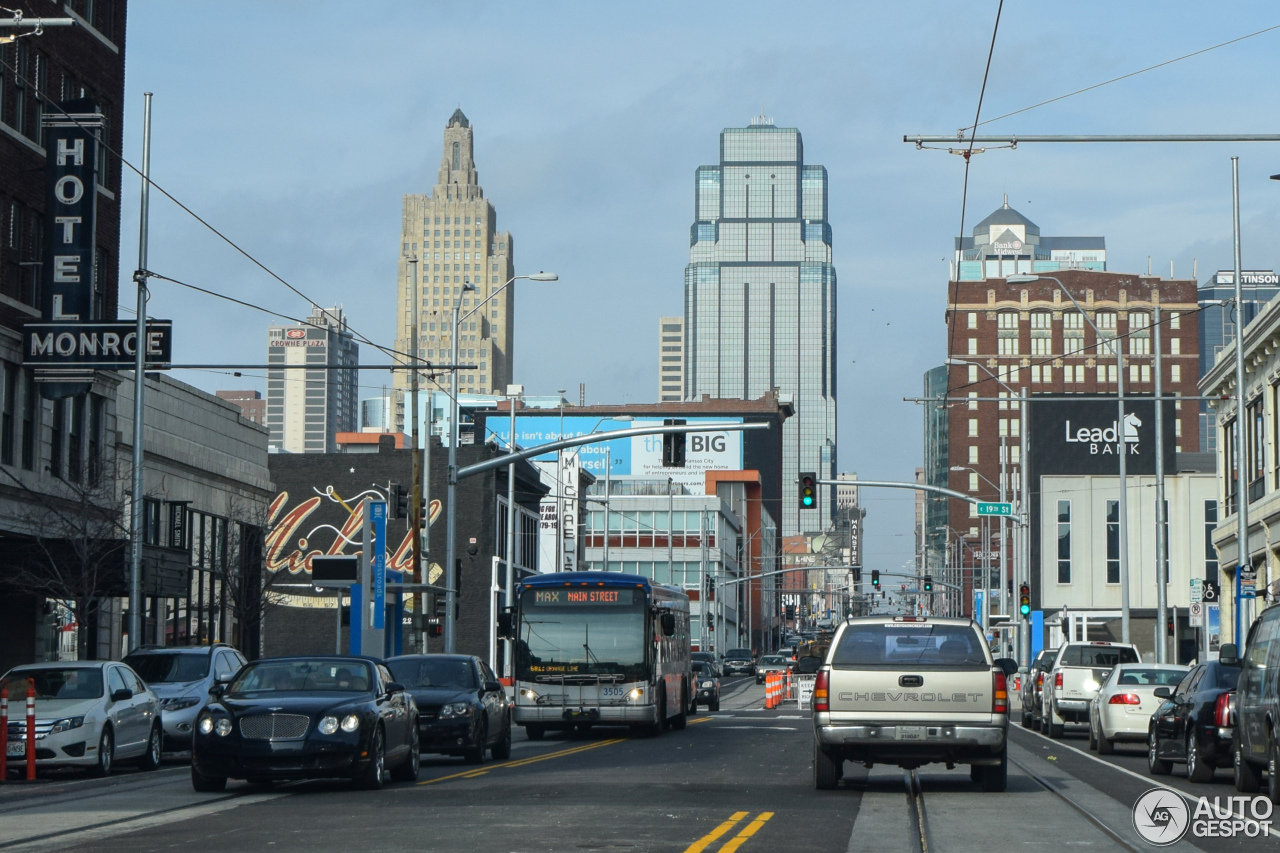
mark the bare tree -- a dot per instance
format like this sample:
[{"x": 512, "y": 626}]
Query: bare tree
[
  {"x": 78, "y": 544},
  {"x": 248, "y": 588}
]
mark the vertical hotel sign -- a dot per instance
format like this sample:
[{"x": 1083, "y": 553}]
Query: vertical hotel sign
[
  {"x": 67, "y": 269},
  {"x": 70, "y": 211}
]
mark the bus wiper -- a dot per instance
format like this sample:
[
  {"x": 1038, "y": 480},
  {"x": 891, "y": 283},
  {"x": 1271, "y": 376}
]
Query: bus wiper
[{"x": 591, "y": 656}]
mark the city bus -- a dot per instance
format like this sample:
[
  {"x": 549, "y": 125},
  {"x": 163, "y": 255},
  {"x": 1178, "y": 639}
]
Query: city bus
[{"x": 600, "y": 648}]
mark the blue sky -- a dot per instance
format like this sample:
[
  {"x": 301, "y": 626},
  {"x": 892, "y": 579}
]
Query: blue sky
[{"x": 295, "y": 128}]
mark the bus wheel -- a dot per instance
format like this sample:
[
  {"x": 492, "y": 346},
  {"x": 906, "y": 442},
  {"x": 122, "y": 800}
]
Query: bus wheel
[{"x": 679, "y": 721}]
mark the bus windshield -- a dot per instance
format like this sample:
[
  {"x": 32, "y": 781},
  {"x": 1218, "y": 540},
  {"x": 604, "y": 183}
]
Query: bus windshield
[{"x": 593, "y": 631}]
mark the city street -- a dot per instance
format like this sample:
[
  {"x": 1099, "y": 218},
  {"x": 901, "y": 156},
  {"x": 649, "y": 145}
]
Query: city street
[{"x": 737, "y": 779}]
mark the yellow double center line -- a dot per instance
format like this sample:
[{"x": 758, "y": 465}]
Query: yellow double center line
[
  {"x": 733, "y": 843},
  {"x": 480, "y": 771}
]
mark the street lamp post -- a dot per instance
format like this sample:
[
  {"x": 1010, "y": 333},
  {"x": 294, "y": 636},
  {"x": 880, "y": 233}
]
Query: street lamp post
[
  {"x": 1004, "y": 562},
  {"x": 1121, "y": 448},
  {"x": 451, "y": 510}
]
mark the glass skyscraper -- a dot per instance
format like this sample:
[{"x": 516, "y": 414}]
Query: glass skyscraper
[{"x": 760, "y": 297}]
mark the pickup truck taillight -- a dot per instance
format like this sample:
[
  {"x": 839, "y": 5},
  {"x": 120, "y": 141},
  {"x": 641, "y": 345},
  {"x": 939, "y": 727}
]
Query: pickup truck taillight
[
  {"x": 999, "y": 693},
  {"x": 1039, "y": 679},
  {"x": 1222, "y": 716},
  {"x": 1057, "y": 681},
  {"x": 821, "y": 686},
  {"x": 1124, "y": 699}
]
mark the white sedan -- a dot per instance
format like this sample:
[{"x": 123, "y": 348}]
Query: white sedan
[
  {"x": 88, "y": 713},
  {"x": 1122, "y": 709}
]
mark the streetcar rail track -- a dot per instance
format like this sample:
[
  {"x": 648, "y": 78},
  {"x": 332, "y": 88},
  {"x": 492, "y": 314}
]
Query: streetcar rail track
[
  {"x": 918, "y": 818},
  {"x": 1119, "y": 839}
]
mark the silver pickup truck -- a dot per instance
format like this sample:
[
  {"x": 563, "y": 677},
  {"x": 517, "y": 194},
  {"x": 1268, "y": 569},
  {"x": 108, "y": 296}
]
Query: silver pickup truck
[
  {"x": 1073, "y": 680},
  {"x": 910, "y": 691}
]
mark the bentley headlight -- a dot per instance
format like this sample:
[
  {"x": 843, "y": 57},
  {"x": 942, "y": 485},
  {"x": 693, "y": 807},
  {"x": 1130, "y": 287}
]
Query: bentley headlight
[
  {"x": 460, "y": 709},
  {"x": 328, "y": 725},
  {"x": 222, "y": 727},
  {"x": 708, "y": 684},
  {"x": 66, "y": 724},
  {"x": 205, "y": 725},
  {"x": 350, "y": 723}
]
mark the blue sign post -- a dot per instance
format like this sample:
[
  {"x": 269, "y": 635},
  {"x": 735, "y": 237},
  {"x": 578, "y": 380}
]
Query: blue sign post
[{"x": 378, "y": 515}]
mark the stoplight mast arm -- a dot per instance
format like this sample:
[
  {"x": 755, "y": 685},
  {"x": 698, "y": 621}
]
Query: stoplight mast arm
[
  {"x": 919, "y": 487},
  {"x": 597, "y": 438}
]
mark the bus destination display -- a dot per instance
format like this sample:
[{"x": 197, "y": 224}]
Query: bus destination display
[{"x": 584, "y": 595}]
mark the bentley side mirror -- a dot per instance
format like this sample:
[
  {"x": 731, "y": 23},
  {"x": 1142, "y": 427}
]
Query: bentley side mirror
[
  {"x": 217, "y": 690},
  {"x": 492, "y": 686}
]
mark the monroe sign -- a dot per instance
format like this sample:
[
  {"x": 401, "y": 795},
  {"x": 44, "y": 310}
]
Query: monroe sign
[{"x": 100, "y": 346}]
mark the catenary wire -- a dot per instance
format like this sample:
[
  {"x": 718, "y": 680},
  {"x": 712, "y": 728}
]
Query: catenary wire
[{"x": 1122, "y": 77}]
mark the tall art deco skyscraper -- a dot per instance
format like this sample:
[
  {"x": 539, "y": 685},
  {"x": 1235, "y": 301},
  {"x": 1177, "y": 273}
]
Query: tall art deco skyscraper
[
  {"x": 453, "y": 235},
  {"x": 760, "y": 297}
]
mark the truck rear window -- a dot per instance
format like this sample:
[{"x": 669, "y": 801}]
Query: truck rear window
[
  {"x": 1101, "y": 656},
  {"x": 910, "y": 643}
]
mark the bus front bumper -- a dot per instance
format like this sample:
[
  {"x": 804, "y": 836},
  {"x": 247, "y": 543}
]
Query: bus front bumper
[{"x": 553, "y": 715}]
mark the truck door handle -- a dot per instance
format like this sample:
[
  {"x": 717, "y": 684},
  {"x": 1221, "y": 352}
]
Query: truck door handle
[{"x": 910, "y": 681}]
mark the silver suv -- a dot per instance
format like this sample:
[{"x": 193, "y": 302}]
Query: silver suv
[{"x": 181, "y": 676}]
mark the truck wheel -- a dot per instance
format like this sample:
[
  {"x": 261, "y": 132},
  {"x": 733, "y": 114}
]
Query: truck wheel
[
  {"x": 1055, "y": 729},
  {"x": 995, "y": 778},
  {"x": 1246, "y": 775},
  {"x": 1156, "y": 765},
  {"x": 826, "y": 770},
  {"x": 1026, "y": 720}
]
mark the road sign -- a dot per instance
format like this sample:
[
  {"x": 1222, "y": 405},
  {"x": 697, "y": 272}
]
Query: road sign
[
  {"x": 96, "y": 345},
  {"x": 1197, "y": 614},
  {"x": 378, "y": 514},
  {"x": 1197, "y": 590},
  {"x": 1210, "y": 591},
  {"x": 995, "y": 509}
]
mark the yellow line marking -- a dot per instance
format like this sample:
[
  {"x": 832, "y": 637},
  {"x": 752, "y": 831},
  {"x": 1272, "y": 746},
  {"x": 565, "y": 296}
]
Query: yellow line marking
[
  {"x": 747, "y": 831},
  {"x": 701, "y": 720},
  {"x": 703, "y": 842},
  {"x": 472, "y": 774}
]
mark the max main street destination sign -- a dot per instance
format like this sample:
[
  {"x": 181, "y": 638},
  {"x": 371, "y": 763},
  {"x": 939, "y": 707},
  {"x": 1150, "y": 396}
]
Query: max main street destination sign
[{"x": 81, "y": 346}]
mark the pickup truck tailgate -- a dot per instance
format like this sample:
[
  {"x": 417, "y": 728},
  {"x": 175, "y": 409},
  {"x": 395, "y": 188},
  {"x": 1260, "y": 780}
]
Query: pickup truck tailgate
[{"x": 928, "y": 695}]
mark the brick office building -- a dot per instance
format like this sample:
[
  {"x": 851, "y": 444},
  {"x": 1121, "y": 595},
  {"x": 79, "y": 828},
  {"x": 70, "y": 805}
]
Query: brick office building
[
  {"x": 53, "y": 454},
  {"x": 1004, "y": 337}
]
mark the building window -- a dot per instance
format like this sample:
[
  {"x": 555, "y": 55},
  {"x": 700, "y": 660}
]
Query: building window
[
  {"x": 1256, "y": 455},
  {"x": 1210, "y": 552},
  {"x": 1139, "y": 333},
  {"x": 1064, "y": 541},
  {"x": 973, "y": 401},
  {"x": 457, "y": 156},
  {"x": 1175, "y": 373},
  {"x": 31, "y": 416},
  {"x": 973, "y": 346},
  {"x": 973, "y": 427},
  {"x": 1229, "y": 463},
  {"x": 1113, "y": 542},
  {"x": 973, "y": 373},
  {"x": 973, "y": 481},
  {"x": 1106, "y": 322},
  {"x": 1175, "y": 346},
  {"x": 973, "y": 454},
  {"x": 8, "y": 409},
  {"x": 1007, "y": 346},
  {"x": 972, "y": 319},
  {"x": 1072, "y": 333}
]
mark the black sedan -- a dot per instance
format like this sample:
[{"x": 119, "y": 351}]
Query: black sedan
[
  {"x": 707, "y": 685},
  {"x": 1194, "y": 724},
  {"x": 306, "y": 718},
  {"x": 463, "y": 709}
]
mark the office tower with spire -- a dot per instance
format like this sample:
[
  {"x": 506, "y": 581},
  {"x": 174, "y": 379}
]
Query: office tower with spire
[
  {"x": 453, "y": 237},
  {"x": 760, "y": 298}
]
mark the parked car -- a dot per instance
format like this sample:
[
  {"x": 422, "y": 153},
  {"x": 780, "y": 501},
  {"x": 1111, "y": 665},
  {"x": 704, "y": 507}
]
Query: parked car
[
  {"x": 88, "y": 714},
  {"x": 1073, "y": 680},
  {"x": 1194, "y": 722},
  {"x": 306, "y": 718},
  {"x": 181, "y": 677},
  {"x": 462, "y": 708},
  {"x": 1032, "y": 685},
  {"x": 768, "y": 664},
  {"x": 1257, "y": 735},
  {"x": 708, "y": 686},
  {"x": 1126, "y": 698},
  {"x": 739, "y": 662}
]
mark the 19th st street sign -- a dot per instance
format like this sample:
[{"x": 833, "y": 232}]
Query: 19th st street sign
[
  {"x": 96, "y": 346},
  {"x": 1005, "y": 509}
]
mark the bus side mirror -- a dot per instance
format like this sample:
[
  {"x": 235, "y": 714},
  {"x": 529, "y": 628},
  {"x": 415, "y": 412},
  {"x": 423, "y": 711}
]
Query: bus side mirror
[
  {"x": 506, "y": 624},
  {"x": 1228, "y": 655},
  {"x": 668, "y": 624}
]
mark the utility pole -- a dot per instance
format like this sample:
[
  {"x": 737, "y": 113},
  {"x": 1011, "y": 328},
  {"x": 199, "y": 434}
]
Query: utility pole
[
  {"x": 415, "y": 511},
  {"x": 1162, "y": 556},
  {"x": 139, "y": 391}
]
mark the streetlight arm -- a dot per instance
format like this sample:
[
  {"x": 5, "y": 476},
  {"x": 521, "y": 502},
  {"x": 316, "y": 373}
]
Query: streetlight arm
[{"x": 541, "y": 276}]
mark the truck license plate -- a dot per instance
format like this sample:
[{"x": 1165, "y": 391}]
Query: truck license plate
[
  {"x": 16, "y": 747},
  {"x": 909, "y": 733}
]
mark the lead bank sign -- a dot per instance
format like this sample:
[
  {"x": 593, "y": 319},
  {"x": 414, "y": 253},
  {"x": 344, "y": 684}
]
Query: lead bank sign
[{"x": 1087, "y": 436}]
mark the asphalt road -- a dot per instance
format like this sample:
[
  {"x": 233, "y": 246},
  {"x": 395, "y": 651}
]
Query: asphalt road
[{"x": 739, "y": 779}]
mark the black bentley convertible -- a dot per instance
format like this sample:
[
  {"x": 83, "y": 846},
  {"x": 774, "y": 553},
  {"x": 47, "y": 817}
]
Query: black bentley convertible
[{"x": 306, "y": 718}]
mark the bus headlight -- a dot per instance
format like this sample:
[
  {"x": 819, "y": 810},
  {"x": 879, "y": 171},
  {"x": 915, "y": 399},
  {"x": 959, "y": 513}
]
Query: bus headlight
[
  {"x": 529, "y": 696},
  {"x": 636, "y": 693}
]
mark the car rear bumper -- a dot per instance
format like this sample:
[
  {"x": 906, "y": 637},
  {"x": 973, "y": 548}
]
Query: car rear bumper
[{"x": 940, "y": 743}]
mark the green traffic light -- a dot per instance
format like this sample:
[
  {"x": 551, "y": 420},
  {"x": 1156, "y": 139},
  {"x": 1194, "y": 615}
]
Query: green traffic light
[
  {"x": 1025, "y": 609},
  {"x": 808, "y": 500}
]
